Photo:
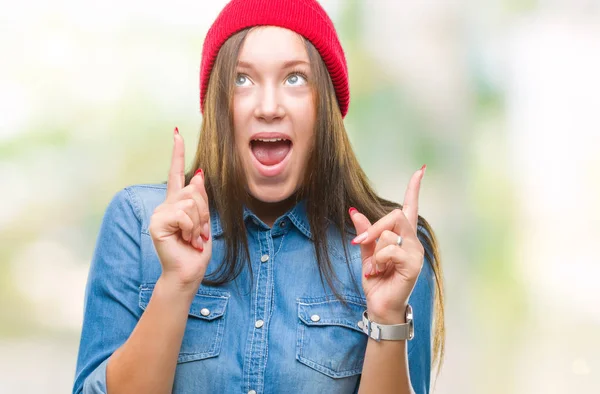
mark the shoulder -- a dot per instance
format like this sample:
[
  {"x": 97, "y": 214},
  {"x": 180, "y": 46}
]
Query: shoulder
[
  {"x": 138, "y": 201},
  {"x": 339, "y": 243}
]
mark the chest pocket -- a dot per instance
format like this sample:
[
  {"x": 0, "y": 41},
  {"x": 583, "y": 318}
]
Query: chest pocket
[
  {"x": 328, "y": 337},
  {"x": 204, "y": 328}
]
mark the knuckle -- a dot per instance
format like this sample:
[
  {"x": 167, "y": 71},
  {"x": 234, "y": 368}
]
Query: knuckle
[
  {"x": 419, "y": 248},
  {"x": 180, "y": 214},
  {"x": 419, "y": 255},
  {"x": 391, "y": 249},
  {"x": 189, "y": 189},
  {"x": 151, "y": 229},
  {"x": 184, "y": 193},
  {"x": 192, "y": 188},
  {"x": 158, "y": 209},
  {"x": 376, "y": 258},
  {"x": 387, "y": 234},
  {"x": 153, "y": 226},
  {"x": 397, "y": 213},
  {"x": 204, "y": 216}
]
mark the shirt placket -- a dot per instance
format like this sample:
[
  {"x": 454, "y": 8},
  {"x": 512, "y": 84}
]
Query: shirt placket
[{"x": 257, "y": 348}]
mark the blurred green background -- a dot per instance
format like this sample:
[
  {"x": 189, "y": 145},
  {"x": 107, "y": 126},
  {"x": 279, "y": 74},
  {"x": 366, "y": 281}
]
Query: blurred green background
[{"x": 499, "y": 98}]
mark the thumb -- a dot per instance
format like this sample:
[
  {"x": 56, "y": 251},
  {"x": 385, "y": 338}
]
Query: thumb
[
  {"x": 360, "y": 221},
  {"x": 198, "y": 180},
  {"x": 362, "y": 224}
]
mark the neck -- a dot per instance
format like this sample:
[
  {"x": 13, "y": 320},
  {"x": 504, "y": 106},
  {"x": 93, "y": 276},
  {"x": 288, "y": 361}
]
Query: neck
[{"x": 268, "y": 212}]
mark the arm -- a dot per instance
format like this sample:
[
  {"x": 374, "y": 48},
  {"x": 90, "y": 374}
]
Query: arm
[
  {"x": 146, "y": 362},
  {"x": 402, "y": 366},
  {"x": 122, "y": 350},
  {"x": 394, "y": 267}
]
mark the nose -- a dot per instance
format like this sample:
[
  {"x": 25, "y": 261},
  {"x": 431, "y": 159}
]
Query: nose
[{"x": 269, "y": 107}]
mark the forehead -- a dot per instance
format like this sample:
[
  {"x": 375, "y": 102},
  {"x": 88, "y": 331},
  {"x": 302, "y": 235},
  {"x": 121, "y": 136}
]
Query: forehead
[{"x": 272, "y": 44}]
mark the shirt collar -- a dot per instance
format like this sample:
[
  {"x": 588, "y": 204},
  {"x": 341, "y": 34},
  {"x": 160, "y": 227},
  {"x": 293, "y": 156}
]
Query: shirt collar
[{"x": 297, "y": 215}]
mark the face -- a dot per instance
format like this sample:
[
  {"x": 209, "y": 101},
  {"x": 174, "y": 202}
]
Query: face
[{"x": 273, "y": 112}]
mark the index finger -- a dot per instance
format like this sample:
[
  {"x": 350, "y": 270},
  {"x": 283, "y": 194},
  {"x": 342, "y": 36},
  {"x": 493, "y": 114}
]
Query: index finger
[
  {"x": 176, "y": 179},
  {"x": 410, "y": 207}
]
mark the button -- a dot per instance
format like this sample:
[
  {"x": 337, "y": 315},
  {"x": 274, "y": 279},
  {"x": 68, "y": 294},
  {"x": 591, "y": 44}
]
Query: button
[
  {"x": 315, "y": 318},
  {"x": 259, "y": 323},
  {"x": 252, "y": 392},
  {"x": 282, "y": 224},
  {"x": 204, "y": 312},
  {"x": 264, "y": 258},
  {"x": 360, "y": 324}
]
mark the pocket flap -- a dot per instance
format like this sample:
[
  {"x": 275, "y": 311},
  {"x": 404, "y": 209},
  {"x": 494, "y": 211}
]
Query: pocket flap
[
  {"x": 323, "y": 311},
  {"x": 206, "y": 305}
]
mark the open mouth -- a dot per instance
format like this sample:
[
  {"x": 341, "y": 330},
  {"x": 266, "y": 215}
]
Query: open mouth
[
  {"x": 270, "y": 151},
  {"x": 270, "y": 154}
]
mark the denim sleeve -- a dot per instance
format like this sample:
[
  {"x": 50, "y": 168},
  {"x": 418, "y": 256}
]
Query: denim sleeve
[
  {"x": 111, "y": 308},
  {"x": 419, "y": 348}
]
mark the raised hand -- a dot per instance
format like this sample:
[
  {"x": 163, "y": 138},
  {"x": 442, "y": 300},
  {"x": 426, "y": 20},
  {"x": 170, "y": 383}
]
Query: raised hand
[
  {"x": 180, "y": 226},
  {"x": 392, "y": 256}
]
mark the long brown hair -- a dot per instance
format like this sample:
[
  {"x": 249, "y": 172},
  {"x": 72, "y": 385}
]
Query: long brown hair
[{"x": 328, "y": 193}]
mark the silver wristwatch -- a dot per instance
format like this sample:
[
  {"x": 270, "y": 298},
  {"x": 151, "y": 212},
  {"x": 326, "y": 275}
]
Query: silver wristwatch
[{"x": 392, "y": 332}]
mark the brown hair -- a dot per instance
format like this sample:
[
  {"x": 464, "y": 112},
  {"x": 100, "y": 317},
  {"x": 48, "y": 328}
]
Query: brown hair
[{"x": 328, "y": 193}]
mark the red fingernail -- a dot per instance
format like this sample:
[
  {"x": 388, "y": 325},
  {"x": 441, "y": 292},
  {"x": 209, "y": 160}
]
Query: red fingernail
[
  {"x": 352, "y": 210},
  {"x": 424, "y": 168},
  {"x": 176, "y": 130},
  {"x": 199, "y": 171},
  {"x": 367, "y": 275}
]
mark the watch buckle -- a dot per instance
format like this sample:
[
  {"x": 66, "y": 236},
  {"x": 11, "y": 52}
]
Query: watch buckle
[{"x": 370, "y": 329}]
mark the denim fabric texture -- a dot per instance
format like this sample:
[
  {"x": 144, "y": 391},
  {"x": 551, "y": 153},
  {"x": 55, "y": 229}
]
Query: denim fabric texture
[{"x": 286, "y": 334}]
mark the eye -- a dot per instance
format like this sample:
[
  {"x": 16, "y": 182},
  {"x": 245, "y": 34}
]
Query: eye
[
  {"x": 296, "y": 79},
  {"x": 242, "y": 80}
]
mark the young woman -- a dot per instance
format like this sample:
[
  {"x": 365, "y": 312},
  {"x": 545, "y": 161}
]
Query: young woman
[{"x": 271, "y": 266}]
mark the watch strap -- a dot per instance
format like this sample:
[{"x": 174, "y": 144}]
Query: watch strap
[{"x": 391, "y": 332}]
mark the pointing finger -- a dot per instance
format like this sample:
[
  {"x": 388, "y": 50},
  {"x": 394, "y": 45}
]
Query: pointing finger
[
  {"x": 410, "y": 207},
  {"x": 176, "y": 179}
]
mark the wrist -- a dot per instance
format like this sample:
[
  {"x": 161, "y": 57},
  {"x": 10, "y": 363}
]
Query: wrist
[
  {"x": 387, "y": 316},
  {"x": 387, "y": 319},
  {"x": 173, "y": 288}
]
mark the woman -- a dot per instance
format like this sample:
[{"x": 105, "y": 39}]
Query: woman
[{"x": 251, "y": 272}]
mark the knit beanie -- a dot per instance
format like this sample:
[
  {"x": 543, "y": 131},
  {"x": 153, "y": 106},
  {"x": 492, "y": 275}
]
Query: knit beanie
[{"x": 305, "y": 17}]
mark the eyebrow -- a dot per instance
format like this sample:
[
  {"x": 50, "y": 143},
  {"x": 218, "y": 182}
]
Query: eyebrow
[{"x": 286, "y": 64}]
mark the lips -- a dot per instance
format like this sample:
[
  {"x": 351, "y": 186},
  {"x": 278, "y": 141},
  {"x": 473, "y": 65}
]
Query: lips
[{"x": 270, "y": 151}]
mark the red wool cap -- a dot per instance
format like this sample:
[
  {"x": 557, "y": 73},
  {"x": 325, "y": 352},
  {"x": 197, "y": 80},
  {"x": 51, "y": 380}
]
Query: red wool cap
[{"x": 305, "y": 17}]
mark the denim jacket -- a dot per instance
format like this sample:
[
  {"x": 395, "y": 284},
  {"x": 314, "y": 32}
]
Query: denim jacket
[{"x": 284, "y": 335}]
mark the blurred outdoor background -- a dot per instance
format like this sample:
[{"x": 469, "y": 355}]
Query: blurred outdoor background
[{"x": 499, "y": 97}]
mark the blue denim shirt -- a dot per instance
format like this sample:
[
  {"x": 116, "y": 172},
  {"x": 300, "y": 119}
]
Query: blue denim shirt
[{"x": 268, "y": 338}]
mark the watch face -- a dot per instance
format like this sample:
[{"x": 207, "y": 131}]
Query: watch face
[{"x": 411, "y": 323}]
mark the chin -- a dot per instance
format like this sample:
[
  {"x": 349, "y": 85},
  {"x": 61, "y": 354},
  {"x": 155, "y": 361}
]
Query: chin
[{"x": 272, "y": 193}]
